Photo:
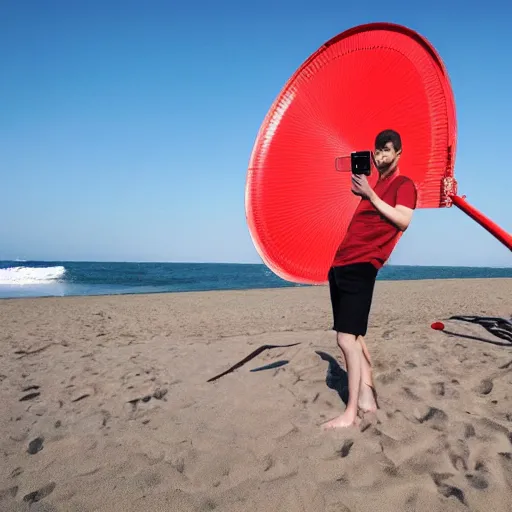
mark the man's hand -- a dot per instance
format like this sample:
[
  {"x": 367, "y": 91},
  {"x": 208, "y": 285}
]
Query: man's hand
[{"x": 361, "y": 187}]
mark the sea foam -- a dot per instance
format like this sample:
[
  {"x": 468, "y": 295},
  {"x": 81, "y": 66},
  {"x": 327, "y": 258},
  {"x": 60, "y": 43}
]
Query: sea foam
[{"x": 31, "y": 275}]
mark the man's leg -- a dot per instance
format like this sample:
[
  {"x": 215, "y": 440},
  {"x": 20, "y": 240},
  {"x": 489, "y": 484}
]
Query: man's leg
[
  {"x": 366, "y": 401},
  {"x": 352, "y": 351}
]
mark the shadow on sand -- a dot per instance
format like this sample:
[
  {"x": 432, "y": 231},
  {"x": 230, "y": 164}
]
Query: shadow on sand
[
  {"x": 252, "y": 355},
  {"x": 336, "y": 378},
  {"x": 499, "y": 327},
  {"x": 271, "y": 366}
]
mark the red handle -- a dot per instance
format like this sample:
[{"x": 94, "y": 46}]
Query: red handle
[{"x": 504, "y": 237}]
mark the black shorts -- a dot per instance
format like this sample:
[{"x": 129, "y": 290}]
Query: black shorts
[{"x": 351, "y": 288}]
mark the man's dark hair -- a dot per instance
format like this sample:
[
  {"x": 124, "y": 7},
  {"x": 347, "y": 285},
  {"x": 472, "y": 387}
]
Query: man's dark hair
[{"x": 388, "y": 136}]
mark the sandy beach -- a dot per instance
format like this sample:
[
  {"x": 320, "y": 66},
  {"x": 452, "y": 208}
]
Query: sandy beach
[{"x": 105, "y": 404}]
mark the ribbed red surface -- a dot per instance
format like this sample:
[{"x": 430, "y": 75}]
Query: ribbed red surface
[{"x": 367, "y": 79}]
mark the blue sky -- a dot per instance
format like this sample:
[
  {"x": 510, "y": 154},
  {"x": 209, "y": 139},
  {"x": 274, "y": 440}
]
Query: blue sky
[{"x": 126, "y": 126}]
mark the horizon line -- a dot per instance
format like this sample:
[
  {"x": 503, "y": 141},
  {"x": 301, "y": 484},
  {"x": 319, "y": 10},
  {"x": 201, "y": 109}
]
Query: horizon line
[{"x": 225, "y": 263}]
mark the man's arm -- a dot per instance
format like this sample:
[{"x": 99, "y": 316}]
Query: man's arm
[
  {"x": 406, "y": 197},
  {"x": 398, "y": 215},
  {"x": 401, "y": 214}
]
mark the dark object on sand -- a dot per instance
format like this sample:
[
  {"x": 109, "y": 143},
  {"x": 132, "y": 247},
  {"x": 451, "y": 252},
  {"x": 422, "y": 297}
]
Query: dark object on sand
[
  {"x": 36, "y": 445},
  {"x": 30, "y": 388},
  {"x": 252, "y": 355},
  {"x": 81, "y": 397},
  {"x": 499, "y": 327},
  {"x": 30, "y": 396}
]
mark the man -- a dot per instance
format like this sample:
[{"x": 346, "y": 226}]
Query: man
[{"x": 382, "y": 215}]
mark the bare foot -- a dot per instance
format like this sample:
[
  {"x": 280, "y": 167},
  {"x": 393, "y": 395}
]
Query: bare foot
[
  {"x": 343, "y": 421},
  {"x": 366, "y": 402}
]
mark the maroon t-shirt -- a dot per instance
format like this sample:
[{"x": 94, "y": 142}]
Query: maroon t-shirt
[{"x": 370, "y": 237}]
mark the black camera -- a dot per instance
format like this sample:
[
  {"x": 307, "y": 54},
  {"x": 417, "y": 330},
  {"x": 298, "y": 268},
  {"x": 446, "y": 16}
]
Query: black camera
[{"x": 362, "y": 162}]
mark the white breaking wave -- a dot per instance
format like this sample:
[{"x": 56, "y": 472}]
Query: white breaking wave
[{"x": 31, "y": 275}]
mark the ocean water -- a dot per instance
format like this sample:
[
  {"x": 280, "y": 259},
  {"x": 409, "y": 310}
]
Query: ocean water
[{"x": 65, "y": 278}]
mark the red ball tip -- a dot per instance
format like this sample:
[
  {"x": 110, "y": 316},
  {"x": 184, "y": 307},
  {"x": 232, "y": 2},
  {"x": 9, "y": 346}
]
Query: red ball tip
[{"x": 438, "y": 326}]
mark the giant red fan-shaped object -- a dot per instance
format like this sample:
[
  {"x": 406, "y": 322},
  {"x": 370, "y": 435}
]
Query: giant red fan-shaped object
[{"x": 367, "y": 79}]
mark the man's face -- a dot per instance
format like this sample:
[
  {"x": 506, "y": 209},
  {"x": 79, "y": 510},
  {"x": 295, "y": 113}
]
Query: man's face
[{"x": 386, "y": 157}]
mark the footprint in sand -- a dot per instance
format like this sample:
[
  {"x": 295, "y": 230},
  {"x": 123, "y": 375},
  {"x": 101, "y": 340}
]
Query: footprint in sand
[
  {"x": 179, "y": 465},
  {"x": 438, "y": 389},
  {"x": 505, "y": 459},
  {"x": 436, "y": 418},
  {"x": 386, "y": 335},
  {"x": 409, "y": 394},
  {"x": 459, "y": 455},
  {"x": 485, "y": 387},
  {"x": 477, "y": 481},
  {"x": 268, "y": 463},
  {"x": 388, "y": 378},
  {"x": 6, "y": 494},
  {"x": 469, "y": 431},
  {"x": 448, "y": 490},
  {"x": 16, "y": 472},
  {"x": 43, "y": 492},
  {"x": 345, "y": 449}
]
